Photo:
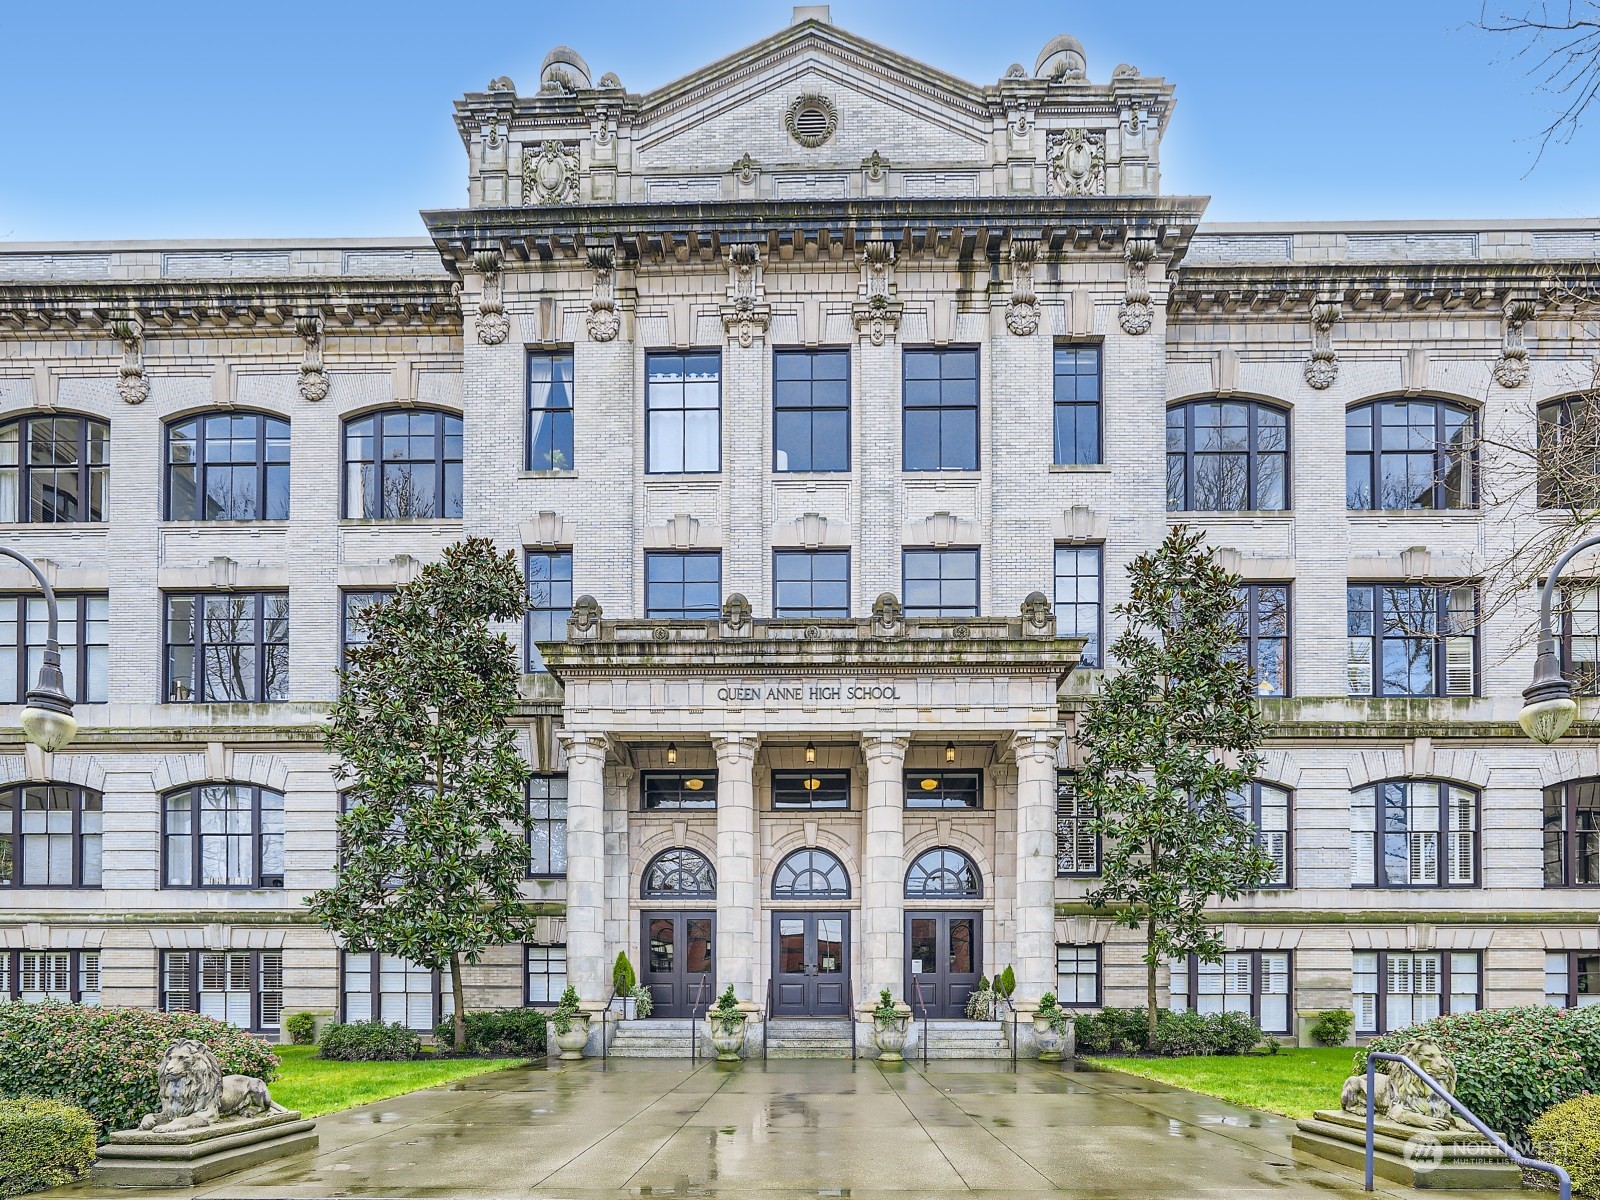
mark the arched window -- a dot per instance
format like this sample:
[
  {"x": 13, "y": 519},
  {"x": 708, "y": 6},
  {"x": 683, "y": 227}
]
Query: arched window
[
  {"x": 1572, "y": 833},
  {"x": 680, "y": 875},
  {"x": 810, "y": 875},
  {"x": 228, "y": 466},
  {"x": 1402, "y": 454},
  {"x": 1413, "y": 833},
  {"x": 1266, "y": 808},
  {"x": 54, "y": 469},
  {"x": 943, "y": 874},
  {"x": 1227, "y": 456},
  {"x": 222, "y": 835},
  {"x": 49, "y": 837},
  {"x": 403, "y": 463},
  {"x": 1569, "y": 453}
]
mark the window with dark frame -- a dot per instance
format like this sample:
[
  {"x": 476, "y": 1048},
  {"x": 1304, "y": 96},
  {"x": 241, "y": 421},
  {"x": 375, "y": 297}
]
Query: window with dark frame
[
  {"x": 33, "y": 976},
  {"x": 810, "y": 875},
  {"x": 1568, "y": 454},
  {"x": 1077, "y": 843},
  {"x": 810, "y": 790},
  {"x": 1571, "y": 978},
  {"x": 1391, "y": 990},
  {"x": 1580, "y": 637},
  {"x": 549, "y": 575},
  {"x": 550, "y": 399},
  {"x": 50, "y": 836},
  {"x": 352, "y": 632},
  {"x": 54, "y": 469},
  {"x": 1077, "y": 405},
  {"x": 1264, "y": 635},
  {"x": 944, "y": 789},
  {"x": 1269, "y": 811},
  {"x": 940, "y": 583},
  {"x": 1078, "y": 975},
  {"x": 403, "y": 464},
  {"x": 684, "y": 584},
  {"x": 676, "y": 790},
  {"x": 1079, "y": 599},
  {"x": 384, "y": 987},
  {"x": 547, "y": 826},
  {"x": 811, "y": 583},
  {"x": 1410, "y": 454},
  {"x": 222, "y": 835},
  {"x": 940, "y": 409},
  {"x": 680, "y": 874},
  {"x": 1256, "y": 982},
  {"x": 1410, "y": 833},
  {"x": 228, "y": 466},
  {"x": 84, "y": 625},
  {"x": 943, "y": 873},
  {"x": 1227, "y": 456},
  {"x": 545, "y": 969},
  {"x": 810, "y": 410},
  {"x": 1572, "y": 834},
  {"x": 1407, "y": 640},
  {"x": 227, "y": 646},
  {"x": 683, "y": 413},
  {"x": 243, "y": 988}
]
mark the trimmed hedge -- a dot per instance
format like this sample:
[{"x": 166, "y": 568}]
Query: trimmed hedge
[
  {"x": 501, "y": 1032},
  {"x": 1512, "y": 1064},
  {"x": 43, "y": 1144},
  {"x": 1125, "y": 1031},
  {"x": 1569, "y": 1136},
  {"x": 1333, "y": 1027},
  {"x": 104, "y": 1059},
  {"x": 369, "y": 1041},
  {"x": 301, "y": 1028}
]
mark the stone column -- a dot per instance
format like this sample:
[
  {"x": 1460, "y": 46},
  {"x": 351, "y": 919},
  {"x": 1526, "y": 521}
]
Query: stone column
[
  {"x": 883, "y": 867},
  {"x": 1033, "y": 953},
  {"x": 736, "y": 862},
  {"x": 618, "y": 929},
  {"x": 587, "y": 968}
]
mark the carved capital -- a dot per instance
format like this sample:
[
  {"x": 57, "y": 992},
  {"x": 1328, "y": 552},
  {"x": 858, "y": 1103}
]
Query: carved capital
[
  {"x": 583, "y": 746},
  {"x": 735, "y": 749},
  {"x": 1037, "y": 745},
  {"x": 887, "y": 747}
]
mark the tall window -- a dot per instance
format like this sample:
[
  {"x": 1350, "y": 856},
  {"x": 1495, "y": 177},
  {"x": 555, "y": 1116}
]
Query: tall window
[
  {"x": 943, "y": 874},
  {"x": 1077, "y": 844},
  {"x": 1571, "y": 978},
  {"x": 683, "y": 413},
  {"x": 1266, "y": 809},
  {"x": 70, "y": 976},
  {"x": 1572, "y": 834},
  {"x": 811, "y": 789},
  {"x": 811, "y": 410},
  {"x": 944, "y": 789},
  {"x": 352, "y": 631},
  {"x": 50, "y": 836},
  {"x": 1413, "y": 833},
  {"x": 546, "y": 968},
  {"x": 941, "y": 410},
  {"x": 241, "y": 987},
  {"x": 1227, "y": 456},
  {"x": 1078, "y": 598},
  {"x": 1264, "y": 635},
  {"x": 230, "y": 466},
  {"x": 1405, "y": 454},
  {"x": 1412, "y": 641},
  {"x": 224, "y": 646},
  {"x": 1077, "y": 405},
  {"x": 383, "y": 987},
  {"x": 1256, "y": 982},
  {"x": 403, "y": 463},
  {"x": 673, "y": 790},
  {"x": 680, "y": 875},
  {"x": 24, "y": 631},
  {"x": 811, "y": 583},
  {"x": 54, "y": 470},
  {"x": 547, "y": 826},
  {"x": 1569, "y": 453},
  {"x": 1580, "y": 638},
  {"x": 223, "y": 835},
  {"x": 682, "y": 584},
  {"x": 940, "y": 583},
  {"x": 549, "y": 602},
  {"x": 1078, "y": 976},
  {"x": 550, "y": 412},
  {"x": 1393, "y": 990}
]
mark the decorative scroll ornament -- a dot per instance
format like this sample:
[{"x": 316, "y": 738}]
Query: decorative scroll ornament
[
  {"x": 313, "y": 378},
  {"x": 877, "y": 314},
  {"x": 1038, "y": 616},
  {"x": 746, "y": 170},
  {"x": 744, "y": 316},
  {"x": 1137, "y": 314},
  {"x": 132, "y": 385},
  {"x": 493, "y": 325},
  {"x": 602, "y": 320},
  {"x": 875, "y": 166},
  {"x": 550, "y": 174},
  {"x": 888, "y": 617},
  {"x": 584, "y": 623},
  {"x": 1077, "y": 161},
  {"x": 1022, "y": 314},
  {"x": 1511, "y": 371},
  {"x": 1322, "y": 368}
]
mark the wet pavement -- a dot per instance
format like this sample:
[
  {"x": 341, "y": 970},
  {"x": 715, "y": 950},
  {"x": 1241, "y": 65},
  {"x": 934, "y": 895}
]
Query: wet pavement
[{"x": 797, "y": 1128}]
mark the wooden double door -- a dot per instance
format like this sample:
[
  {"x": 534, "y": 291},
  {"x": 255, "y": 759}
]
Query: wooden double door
[
  {"x": 944, "y": 958},
  {"x": 810, "y": 964},
  {"x": 678, "y": 961}
]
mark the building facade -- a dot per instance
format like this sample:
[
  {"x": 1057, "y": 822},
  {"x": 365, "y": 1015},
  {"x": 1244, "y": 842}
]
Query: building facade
[{"x": 825, "y": 397}]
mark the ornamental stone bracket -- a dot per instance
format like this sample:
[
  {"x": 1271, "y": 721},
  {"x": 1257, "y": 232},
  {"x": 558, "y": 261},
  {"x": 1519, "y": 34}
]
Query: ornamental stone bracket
[
  {"x": 132, "y": 385},
  {"x": 1136, "y": 315},
  {"x": 602, "y": 320},
  {"x": 1022, "y": 314},
  {"x": 550, "y": 174},
  {"x": 745, "y": 316},
  {"x": 313, "y": 376},
  {"x": 1077, "y": 163},
  {"x": 493, "y": 324},
  {"x": 1511, "y": 369},
  {"x": 1322, "y": 368},
  {"x": 876, "y": 313}
]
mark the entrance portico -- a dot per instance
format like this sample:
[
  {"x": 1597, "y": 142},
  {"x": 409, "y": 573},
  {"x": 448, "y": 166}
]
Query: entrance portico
[{"x": 812, "y": 797}]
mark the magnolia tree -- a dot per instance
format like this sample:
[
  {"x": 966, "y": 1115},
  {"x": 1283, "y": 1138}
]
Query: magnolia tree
[
  {"x": 1170, "y": 739},
  {"x": 432, "y": 844}
]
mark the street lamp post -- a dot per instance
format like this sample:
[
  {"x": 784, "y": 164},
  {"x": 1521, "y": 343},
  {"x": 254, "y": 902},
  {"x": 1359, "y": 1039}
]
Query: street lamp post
[
  {"x": 1548, "y": 708},
  {"x": 47, "y": 713}
]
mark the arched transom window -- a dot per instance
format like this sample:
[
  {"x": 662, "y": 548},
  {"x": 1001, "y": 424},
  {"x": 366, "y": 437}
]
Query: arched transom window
[
  {"x": 942, "y": 874},
  {"x": 810, "y": 875},
  {"x": 1569, "y": 452},
  {"x": 680, "y": 875},
  {"x": 1402, "y": 454},
  {"x": 403, "y": 463},
  {"x": 54, "y": 469},
  {"x": 1227, "y": 456}
]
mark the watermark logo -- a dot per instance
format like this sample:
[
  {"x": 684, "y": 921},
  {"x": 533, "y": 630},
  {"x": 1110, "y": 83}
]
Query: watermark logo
[{"x": 1423, "y": 1152}]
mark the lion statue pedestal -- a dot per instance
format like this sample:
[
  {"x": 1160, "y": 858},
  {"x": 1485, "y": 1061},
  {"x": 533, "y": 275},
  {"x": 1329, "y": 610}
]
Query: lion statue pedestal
[
  {"x": 1418, "y": 1140},
  {"x": 209, "y": 1124}
]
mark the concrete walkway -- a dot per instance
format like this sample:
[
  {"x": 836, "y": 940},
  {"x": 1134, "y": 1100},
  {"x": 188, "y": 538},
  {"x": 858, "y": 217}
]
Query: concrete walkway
[{"x": 794, "y": 1128}]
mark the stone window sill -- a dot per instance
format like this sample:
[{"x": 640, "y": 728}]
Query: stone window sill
[
  {"x": 1079, "y": 469},
  {"x": 547, "y": 474}
]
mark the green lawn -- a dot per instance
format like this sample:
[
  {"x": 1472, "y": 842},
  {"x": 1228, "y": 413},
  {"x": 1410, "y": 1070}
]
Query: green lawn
[
  {"x": 313, "y": 1086},
  {"x": 1291, "y": 1082}
]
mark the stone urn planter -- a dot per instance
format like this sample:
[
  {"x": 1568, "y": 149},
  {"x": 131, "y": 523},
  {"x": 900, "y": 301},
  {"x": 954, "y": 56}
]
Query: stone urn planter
[
  {"x": 572, "y": 1042},
  {"x": 728, "y": 1037},
  {"x": 1050, "y": 1040},
  {"x": 890, "y": 1035}
]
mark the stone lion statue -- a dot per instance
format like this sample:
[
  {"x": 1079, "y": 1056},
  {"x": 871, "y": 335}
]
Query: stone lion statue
[
  {"x": 195, "y": 1093},
  {"x": 1402, "y": 1097}
]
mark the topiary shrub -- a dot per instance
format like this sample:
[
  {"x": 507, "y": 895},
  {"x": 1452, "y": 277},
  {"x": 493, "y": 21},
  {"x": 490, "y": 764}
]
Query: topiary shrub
[
  {"x": 1512, "y": 1063},
  {"x": 301, "y": 1028},
  {"x": 43, "y": 1144},
  {"x": 104, "y": 1059},
  {"x": 623, "y": 979},
  {"x": 1332, "y": 1027},
  {"x": 369, "y": 1041},
  {"x": 1231, "y": 1032},
  {"x": 1569, "y": 1136},
  {"x": 502, "y": 1033}
]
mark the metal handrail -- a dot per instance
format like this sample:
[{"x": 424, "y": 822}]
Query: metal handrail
[
  {"x": 916, "y": 992},
  {"x": 694, "y": 1020},
  {"x": 850, "y": 1006},
  {"x": 1563, "y": 1180},
  {"x": 1006, "y": 1000},
  {"x": 766, "y": 1020},
  {"x": 605, "y": 1013}
]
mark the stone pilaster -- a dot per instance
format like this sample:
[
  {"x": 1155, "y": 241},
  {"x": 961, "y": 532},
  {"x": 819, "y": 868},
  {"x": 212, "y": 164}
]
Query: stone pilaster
[
  {"x": 618, "y": 936},
  {"x": 587, "y": 967},
  {"x": 736, "y": 862},
  {"x": 1033, "y": 951},
  {"x": 883, "y": 866}
]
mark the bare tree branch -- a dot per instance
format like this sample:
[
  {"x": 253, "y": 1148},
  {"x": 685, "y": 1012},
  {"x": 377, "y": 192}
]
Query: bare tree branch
[{"x": 1560, "y": 49}]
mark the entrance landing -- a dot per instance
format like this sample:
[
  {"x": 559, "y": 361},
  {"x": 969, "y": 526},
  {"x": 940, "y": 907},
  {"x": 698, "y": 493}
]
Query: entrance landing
[{"x": 785, "y": 1129}]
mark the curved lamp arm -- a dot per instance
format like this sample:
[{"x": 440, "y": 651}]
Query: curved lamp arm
[
  {"x": 47, "y": 713},
  {"x": 1547, "y": 705}
]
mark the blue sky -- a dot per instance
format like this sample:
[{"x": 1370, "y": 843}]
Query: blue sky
[{"x": 293, "y": 119}]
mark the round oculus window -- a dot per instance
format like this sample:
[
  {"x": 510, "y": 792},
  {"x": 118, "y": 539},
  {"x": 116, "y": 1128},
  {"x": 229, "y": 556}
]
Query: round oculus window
[{"x": 811, "y": 120}]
